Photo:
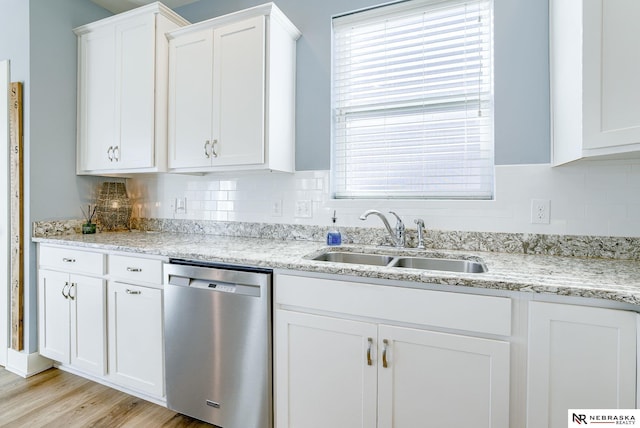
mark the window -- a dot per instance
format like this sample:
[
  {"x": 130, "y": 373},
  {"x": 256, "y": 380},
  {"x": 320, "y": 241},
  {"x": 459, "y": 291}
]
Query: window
[{"x": 413, "y": 101}]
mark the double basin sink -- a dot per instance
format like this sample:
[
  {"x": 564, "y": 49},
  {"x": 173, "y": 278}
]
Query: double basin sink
[{"x": 401, "y": 261}]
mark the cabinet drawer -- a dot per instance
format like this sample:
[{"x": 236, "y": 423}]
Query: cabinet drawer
[
  {"x": 135, "y": 269},
  {"x": 470, "y": 312},
  {"x": 72, "y": 260}
]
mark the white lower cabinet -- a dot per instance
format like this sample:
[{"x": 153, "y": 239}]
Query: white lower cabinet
[
  {"x": 434, "y": 379},
  {"x": 72, "y": 308},
  {"x": 72, "y": 320},
  {"x": 339, "y": 372},
  {"x": 579, "y": 358},
  {"x": 322, "y": 375},
  {"x": 106, "y": 323},
  {"x": 135, "y": 337}
]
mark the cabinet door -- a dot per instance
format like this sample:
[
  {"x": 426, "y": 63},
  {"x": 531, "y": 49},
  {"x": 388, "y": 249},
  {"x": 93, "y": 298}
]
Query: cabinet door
[
  {"x": 323, "y": 378},
  {"x": 441, "y": 380},
  {"x": 190, "y": 100},
  {"x": 239, "y": 93},
  {"x": 98, "y": 130},
  {"x": 53, "y": 315},
  {"x": 579, "y": 358},
  {"x": 611, "y": 86},
  {"x": 135, "y": 83},
  {"x": 135, "y": 337},
  {"x": 88, "y": 324}
]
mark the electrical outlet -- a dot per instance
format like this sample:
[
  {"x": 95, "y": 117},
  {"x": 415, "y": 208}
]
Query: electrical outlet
[
  {"x": 303, "y": 209},
  {"x": 276, "y": 208},
  {"x": 540, "y": 211},
  {"x": 180, "y": 206}
]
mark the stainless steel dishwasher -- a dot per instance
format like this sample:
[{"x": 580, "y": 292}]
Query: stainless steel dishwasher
[{"x": 218, "y": 364}]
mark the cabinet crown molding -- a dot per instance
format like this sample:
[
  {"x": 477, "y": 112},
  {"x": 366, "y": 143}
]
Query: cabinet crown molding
[
  {"x": 266, "y": 9},
  {"x": 157, "y": 8}
]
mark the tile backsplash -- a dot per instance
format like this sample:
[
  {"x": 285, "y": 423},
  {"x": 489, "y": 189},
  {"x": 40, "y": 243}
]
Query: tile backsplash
[{"x": 599, "y": 198}]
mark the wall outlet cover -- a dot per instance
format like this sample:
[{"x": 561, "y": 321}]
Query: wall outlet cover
[
  {"x": 180, "y": 205},
  {"x": 276, "y": 208},
  {"x": 540, "y": 211},
  {"x": 303, "y": 209}
]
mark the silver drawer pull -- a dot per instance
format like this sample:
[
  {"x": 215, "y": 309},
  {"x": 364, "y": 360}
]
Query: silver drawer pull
[
  {"x": 211, "y": 403},
  {"x": 133, "y": 291},
  {"x": 66, "y": 260},
  {"x": 133, "y": 269}
]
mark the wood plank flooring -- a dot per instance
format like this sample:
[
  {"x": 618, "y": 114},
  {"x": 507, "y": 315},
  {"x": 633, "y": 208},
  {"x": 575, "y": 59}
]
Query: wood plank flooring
[{"x": 55, "y": 399}]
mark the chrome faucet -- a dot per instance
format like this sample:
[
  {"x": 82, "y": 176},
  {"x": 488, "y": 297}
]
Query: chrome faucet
[
  {"x": 420, "y": 228},
  {"x": 398, "y": 235}
]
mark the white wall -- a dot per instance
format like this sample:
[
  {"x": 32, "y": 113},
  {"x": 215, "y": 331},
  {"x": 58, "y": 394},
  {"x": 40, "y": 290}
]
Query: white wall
[{"x": 590, "y": 198}]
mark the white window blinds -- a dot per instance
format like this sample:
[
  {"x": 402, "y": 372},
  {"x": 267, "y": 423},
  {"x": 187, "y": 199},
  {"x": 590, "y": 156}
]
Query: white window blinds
[{"x": 412, "y": 101}]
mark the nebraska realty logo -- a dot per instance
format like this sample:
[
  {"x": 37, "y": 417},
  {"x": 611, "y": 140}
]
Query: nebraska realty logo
[{"x": 603, "y": 417}]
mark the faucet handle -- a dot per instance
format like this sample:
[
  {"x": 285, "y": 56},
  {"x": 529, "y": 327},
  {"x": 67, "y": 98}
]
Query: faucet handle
[
  {"x": 399, "y": 224},
  {"x": 420, "y": 229}
]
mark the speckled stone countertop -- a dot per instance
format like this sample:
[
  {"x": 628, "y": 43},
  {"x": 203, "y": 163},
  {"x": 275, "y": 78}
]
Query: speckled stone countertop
[{"x": 609, "y": 279}]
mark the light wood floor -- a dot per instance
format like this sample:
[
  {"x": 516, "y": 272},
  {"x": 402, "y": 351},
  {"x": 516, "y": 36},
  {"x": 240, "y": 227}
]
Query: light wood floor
[{"x": 55, "y": 399}]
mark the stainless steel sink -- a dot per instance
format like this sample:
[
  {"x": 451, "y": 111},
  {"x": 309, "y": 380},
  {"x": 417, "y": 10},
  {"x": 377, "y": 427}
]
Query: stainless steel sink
[
  {"x": 449, "y": 265},
  {"x": 355, "y": 258},
  {"x": 410, "y": 262}
]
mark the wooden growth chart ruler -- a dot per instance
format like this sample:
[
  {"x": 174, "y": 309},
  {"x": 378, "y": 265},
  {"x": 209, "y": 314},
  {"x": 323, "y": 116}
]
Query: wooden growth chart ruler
[{"x": 17, "y": 210}]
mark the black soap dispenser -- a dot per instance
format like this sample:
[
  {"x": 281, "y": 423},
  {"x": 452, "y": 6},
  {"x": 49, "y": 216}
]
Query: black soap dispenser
[{"x": 333, "y": 236}]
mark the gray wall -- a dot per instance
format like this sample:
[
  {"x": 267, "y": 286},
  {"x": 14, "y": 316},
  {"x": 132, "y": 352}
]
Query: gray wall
[
  {"x": 521, "y": 74},
  {"x": 53, "y": 190},
  {"x": 36, "y": 37}
]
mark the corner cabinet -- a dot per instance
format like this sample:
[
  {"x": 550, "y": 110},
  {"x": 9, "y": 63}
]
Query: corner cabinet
[
  {"x": 579, "y": 358},
  {"x": 122, "y": 97},
  {"x": 232, "y": 93},
  {"x": 594, "y": 79},
  {"x": 375, "y": 364}
]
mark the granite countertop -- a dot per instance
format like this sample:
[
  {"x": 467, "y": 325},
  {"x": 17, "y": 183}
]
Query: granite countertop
[{"x": 615, "y": 280}]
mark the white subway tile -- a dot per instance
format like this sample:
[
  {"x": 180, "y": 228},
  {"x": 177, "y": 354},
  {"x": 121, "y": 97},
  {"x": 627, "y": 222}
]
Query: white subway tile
[
  {"x": 228, "y": 185},
  {"x": 225, "y": 205},
  {"x": 586, "y": 198},
  {"x": 209, "y": 205},
  {"x": 219, "y": 196}
]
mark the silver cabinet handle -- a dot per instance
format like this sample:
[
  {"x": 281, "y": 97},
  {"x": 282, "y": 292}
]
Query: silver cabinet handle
[
  {"x": 133, "y": 291},
  {"x": 67, "y": 260},
  {"x": 206, "y": 151},
  {"x": 66, "y": 285},
  {"x": 72, "y": 297},
  {"x": 134, "y": 269},
  {"x": 213, "y": 149},
  {"x": 116, "y": 153},
  {"x": 385, "y": 363},
  {"x": 110, "y": 153},
  {"x": 369, "y": 361}
]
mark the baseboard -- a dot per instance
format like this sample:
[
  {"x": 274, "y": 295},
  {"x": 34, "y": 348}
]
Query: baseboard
[
  {"x": 26, "y": 365},
  {"x": 161, "y": 401}
]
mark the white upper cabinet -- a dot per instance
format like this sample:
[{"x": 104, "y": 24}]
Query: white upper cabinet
[
  {"x": 232, "y": 93},
  {"x": 595, "y": 90},
  {"x": 122, "y": 97}
]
